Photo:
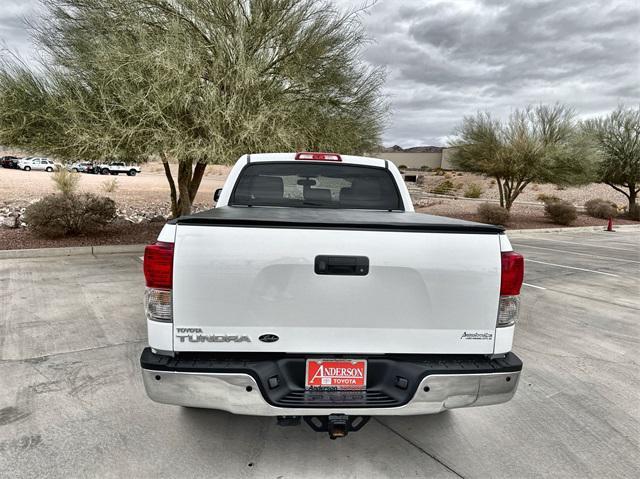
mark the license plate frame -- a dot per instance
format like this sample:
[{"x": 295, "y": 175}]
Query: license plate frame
[{"x": 335, "y": 375}]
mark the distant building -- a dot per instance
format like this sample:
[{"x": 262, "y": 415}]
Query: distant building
[{"x": 415, "y": 158}]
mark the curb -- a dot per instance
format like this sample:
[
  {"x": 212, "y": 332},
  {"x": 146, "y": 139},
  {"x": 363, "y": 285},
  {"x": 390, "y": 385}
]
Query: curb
[
  {"x": 573, "y": 229},
  {"x": 71, "y": 251},
  {"x": 118, "y": 248},
  {"x": 480, "y": 200}
]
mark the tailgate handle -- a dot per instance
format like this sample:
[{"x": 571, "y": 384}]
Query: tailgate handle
[{"x": 342, "y": 265}]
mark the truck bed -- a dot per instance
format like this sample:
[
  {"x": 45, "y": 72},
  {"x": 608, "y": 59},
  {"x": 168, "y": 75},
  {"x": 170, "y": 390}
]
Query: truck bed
[{"x": 323, "y": 218}]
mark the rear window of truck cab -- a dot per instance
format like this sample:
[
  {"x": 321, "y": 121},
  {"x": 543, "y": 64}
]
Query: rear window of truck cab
[{"x": 313, "y": 185}]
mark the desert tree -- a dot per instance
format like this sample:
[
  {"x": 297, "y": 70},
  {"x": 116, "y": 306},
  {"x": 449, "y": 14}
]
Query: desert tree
[
  {"x": 616, "y": 143},
  {"x": 192, "y": 82},
  {"x": 535, "y": 144}
]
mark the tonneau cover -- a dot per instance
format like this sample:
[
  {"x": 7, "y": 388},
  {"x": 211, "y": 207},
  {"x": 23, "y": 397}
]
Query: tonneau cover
[{"x": 324, "y": 218}]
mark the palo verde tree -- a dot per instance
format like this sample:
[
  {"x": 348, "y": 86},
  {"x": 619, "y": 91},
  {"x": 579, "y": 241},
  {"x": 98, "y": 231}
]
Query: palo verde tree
[
  {"x": 192, "y": 82},
  {"x": 616, "y": 143},
  {"x": 536, "y": 144}
]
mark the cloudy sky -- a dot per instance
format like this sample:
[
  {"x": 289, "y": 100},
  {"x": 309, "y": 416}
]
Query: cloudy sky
[{"x": 447, "y": 59}]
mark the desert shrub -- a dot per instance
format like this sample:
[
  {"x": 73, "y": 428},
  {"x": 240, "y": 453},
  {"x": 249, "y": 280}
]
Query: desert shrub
[
  {"x": 473, "y": 190},
  {"x": 599, "y": 208},
  {"x": 634, "y": 212},
  {"x": 110, "y": 186},
  {"x": 66, "y": 182},
  {"x": 68, "y": 215},
  {"x": 447, "y": 176},
  {"x": 545, "y": 198},
  {"x": 445, "y": 187},
  {"x": 439, "y": 171},
  {"x": 425, "y": 168},
  {"x": 493, "y": 214},
  {"x": 561, "y": 212}
]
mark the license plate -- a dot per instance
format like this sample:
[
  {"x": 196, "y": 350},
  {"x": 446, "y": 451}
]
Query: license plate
[{"x": 336, "y": 374}]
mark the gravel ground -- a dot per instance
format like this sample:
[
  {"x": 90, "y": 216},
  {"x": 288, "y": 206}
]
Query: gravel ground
[
  {"x": 113, "y": 234},
  {"x": 576, "y": 195},
  {"x": 522, "y": 216},
  {"x": 151, "y": 187},
  {"x": 147, "y": 189}
]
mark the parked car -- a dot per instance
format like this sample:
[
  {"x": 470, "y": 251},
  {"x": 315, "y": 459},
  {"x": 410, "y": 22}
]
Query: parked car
[
  {"x": 334, "y": 301},
  {"x": 116, "y": 167},
  {"x": 90, "y": 167},
  {"x": 9, "y": 161},
  {"x": 81, "y": 167},
  {"x": 37, "y": 163}
]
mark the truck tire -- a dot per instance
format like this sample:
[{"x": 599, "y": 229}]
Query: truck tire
[
  {"x": 75, "y": 170},
  {"x": 104, "y": 171},
  {"x": 132, "y": 173},
  {"x": 27, "y": 168},
  {"x": 48, "y": 169}
]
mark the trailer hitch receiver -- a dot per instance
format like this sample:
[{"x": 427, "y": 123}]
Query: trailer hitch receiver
[{"x": 337, "y": 425}]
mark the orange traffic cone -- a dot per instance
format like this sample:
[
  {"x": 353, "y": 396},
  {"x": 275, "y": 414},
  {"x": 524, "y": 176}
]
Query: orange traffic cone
[{"x": 610, "y": 224}]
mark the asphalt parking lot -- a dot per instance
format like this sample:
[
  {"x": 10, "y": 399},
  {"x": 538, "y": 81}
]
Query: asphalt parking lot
[{"x": 72, "y": 403}]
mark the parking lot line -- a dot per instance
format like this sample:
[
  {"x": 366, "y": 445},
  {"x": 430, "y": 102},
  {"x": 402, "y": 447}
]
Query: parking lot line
[
  {"x": 618, "y": 242},
  {"x": 572, "y": 267},
  {"x": 613, "y": 258},
  {"x": 587, "y": 245},
  {"x": 533, "y": 286}
]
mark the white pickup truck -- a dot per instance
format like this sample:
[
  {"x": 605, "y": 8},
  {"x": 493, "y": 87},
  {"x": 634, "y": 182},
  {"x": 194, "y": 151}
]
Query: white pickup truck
[
  {"x": 313, "y": 290},
  {"x": 116, "y": 167}
]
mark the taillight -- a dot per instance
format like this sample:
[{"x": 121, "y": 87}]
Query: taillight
[
  {"x": 158, "y": 273},
  {"x": 306, "y": 155},
  {"x": 510, "y": 284},
  {"x": 158, "y": 265},
  {"x": 512, "y": 273}
]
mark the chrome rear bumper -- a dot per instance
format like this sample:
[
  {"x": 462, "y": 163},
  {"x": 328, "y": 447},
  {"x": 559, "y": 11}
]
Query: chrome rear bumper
[{"x": 239, "y": 393}]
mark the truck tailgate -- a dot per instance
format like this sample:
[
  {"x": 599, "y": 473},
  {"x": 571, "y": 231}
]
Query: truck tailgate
[{"x": 425, "y": 292}]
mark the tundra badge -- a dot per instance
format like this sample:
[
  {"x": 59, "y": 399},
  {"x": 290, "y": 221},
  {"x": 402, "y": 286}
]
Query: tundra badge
[{"x": 195, "y": 335}]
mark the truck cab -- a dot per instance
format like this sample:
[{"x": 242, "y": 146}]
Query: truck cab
[{"x": 314, "y": 291}]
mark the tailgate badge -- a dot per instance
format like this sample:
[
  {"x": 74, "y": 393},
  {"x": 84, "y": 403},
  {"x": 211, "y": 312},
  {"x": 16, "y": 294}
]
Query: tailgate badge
[
  {"x": 195, "y": 335},
  {"x": 268, "y": 338},
  {"x": 481, "y": 336}
]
